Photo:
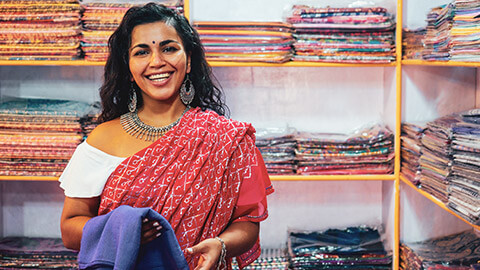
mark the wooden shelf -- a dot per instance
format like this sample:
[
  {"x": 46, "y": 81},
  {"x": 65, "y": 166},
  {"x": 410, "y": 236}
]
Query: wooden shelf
[
  {"x": 28, "y": 178},
  {"x": 50, "y": 63},
  {"x": 436, "y": 201},
  {"x": 440, "y": 63}
]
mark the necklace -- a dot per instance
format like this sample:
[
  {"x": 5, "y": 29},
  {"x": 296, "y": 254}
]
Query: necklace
[{"x": 132, "y": 124}]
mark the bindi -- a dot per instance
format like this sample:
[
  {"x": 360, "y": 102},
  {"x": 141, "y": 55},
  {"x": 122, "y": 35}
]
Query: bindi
[{"x": 153, "y": 41}]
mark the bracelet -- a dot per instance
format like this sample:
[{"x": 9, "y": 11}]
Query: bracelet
[{"x": 223, "y": 254}]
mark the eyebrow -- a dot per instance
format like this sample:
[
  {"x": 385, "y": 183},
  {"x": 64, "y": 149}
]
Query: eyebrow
[{"x": 165, "y": 42}]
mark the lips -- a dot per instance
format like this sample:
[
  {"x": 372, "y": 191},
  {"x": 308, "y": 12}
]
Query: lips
[{"x": 159, "y": 77}]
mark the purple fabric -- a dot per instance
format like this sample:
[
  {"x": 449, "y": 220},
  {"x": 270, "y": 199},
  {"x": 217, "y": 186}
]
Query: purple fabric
[{"x": 112, "y": 241}]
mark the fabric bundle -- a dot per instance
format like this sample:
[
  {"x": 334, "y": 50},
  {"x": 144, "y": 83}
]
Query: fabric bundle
[
  {"x": 437, "y": 39},
  {"x": 343, "y": 35},
  {"x": 40, "y": 30},
  {"x": 366, "y": 151},
  {"x": 100, "y": 19},
  {"x": 278, "y": 150},
  {"x": 460, "y": 251},
  {"x": 38, "y": 136},
  {"x": 270, "y": 259},
  {"x": 412, "y": 43},
  {"x": 465, "y": 32},
  {"x": 36, "y": 253},
  {"x": 411, "y": 151},
  {"x": 246, "y": 41},
  {"x": 350, "y": 248}
]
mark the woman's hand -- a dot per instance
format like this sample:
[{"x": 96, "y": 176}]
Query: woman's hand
[
  {"x": 150, "y": 230},
  {"x": 209, "y": 251}
]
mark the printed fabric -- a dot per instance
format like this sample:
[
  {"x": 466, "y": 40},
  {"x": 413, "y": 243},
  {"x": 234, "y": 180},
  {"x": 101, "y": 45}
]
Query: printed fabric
[{"x": 200, "y": 176}]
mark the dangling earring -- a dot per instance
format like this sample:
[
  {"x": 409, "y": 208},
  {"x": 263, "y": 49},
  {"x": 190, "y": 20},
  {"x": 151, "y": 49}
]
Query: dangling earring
[
  {"x": 187, "y": 91},
  {"x": 132, "y": 106}
]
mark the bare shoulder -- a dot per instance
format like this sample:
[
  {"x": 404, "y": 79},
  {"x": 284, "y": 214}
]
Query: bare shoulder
[{"x": 106, "y": 135}]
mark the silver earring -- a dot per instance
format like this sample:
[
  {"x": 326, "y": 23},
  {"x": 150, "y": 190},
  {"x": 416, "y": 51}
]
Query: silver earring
[
  {"x": 132, "y": 106},
  {"x": 187, "y": 91}
]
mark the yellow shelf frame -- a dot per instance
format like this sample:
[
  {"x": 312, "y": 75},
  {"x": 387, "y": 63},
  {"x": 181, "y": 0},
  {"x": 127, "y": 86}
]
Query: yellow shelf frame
[{"x": 412, "y": 62}]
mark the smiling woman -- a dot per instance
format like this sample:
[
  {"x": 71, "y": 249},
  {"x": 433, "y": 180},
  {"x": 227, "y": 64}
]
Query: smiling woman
[{"x": 165, "y": 144}]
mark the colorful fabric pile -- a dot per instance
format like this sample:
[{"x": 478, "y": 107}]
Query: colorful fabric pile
[
  {"x": 343, "y": 35},
  {"x": 270, "y": 259},
  {"x": 246, "y": 41},
  {"x": 437, "y": 39},
  {"x": 40, "y": 30},
  {"x": 349, "y": 248},
  {"x": 411, "y": 151},
  {"x": 367, "y": 151},
  {"x": 459, "y": 251},
  {"x": 278, "y": 150},
  {"x": 38, "y": 136},
  {"x": 412, "y": 43},
  {"x": 465, "y": 39},
  {"x": 100, "y": 19},
  {"x": 36, "y": 253}
]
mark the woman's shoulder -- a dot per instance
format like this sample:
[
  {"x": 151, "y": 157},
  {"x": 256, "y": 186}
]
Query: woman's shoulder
[
  {"x": 214, "y": 120},
  {"x": 105, "y": 135}
]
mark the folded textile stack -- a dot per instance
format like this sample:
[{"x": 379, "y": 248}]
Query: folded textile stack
[
  {"x": 278, "y": 149},
  {"x": 246, "y": 41},
  {"x": 40, "y": 30},
  {"x": 37, "y": 136},
  {"x": 367, "y": 151},
  {"x": 344, "y": 35},
  {"x": 437, "y": 38},
  {"x": 411, "y": 151},
  {"x": 36, "y": 253},
  {"x": 465, "y": 33},
  {"x": 457, "y": 251},
  {"x": 100, "y": 19},
  {"x": 349, "y": 248},
  {"x": 435, "y": 161},
  {"x": 412, "y": 43},
  {"x": 464, "y": 181},
  {"x": 270, "y": 259}
]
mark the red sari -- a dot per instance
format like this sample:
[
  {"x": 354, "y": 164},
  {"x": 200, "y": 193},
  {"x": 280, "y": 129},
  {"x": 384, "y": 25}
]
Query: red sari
[{"x": 201, "y": 175}]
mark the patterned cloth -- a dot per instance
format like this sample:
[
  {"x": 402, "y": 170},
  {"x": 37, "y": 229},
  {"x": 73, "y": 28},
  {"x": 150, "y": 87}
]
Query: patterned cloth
[{"x": 201, "y": 175}]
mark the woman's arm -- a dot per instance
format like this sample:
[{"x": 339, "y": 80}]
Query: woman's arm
[{"x": 238, "y": 237}]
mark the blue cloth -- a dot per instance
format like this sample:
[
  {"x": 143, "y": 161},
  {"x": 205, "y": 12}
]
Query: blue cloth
[{"x": 112, "y": 241}]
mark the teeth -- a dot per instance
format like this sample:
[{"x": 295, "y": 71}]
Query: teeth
[{"x": 159, "y": 76}]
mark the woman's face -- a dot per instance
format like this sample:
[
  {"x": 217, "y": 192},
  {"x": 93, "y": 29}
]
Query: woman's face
[{"x": 158, "y": 62}]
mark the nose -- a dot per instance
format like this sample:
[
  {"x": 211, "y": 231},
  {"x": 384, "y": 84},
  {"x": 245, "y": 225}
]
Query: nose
[{"x": 157, "y": 59}]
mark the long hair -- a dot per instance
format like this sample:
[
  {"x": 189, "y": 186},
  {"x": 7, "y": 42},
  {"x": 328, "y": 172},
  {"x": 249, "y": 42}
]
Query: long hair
[{"x": 115, "y": 90}]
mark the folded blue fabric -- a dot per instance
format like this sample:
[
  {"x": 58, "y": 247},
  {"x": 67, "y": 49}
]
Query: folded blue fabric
[{"x": 112, "y": 241}]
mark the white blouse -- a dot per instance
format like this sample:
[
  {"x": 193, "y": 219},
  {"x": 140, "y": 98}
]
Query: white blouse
[{"x": 87, "y": 171}]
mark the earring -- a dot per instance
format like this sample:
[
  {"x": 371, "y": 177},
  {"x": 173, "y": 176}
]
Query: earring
[
  {"x": 187, "y": 91},
  {"x": 132, "y": 106}
]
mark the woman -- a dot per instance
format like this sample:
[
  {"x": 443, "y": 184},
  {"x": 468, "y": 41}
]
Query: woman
[{"x": 202, "y": 172}]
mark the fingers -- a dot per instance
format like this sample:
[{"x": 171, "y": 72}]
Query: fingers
[{"x": 151, "y": 229}]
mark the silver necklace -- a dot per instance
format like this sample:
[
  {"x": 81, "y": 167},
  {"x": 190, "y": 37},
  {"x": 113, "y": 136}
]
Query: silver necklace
[{"x": 132, "y": 124}]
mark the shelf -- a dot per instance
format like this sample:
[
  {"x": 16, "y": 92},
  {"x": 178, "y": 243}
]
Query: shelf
[
  {"x": 437, "y": 201},
  {"x": 50, "y": 63},
  {"x": 28, "y": 178},
  {"x": 440, "y": 63}
]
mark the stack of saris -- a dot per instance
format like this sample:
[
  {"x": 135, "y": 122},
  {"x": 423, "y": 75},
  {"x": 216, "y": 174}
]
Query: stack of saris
[
  {"x": 464, "y": 181},
  {"x": 100, "y": 19},
  {"x": 246, "y": 41},
  {"x": 40, "y": 29},
  {"x": 458, "y": 251},
  {"x": 36, "y": 253},
  {"x": 437, "y": 39},
  {"x": 343, "y": 35},
  {"x": 38, "y": 136},
  {"x": 411, "y": 151},
  {"x": 350, "y": 248},
  {"x": 465, "y": 33},
  {"x": 278, "y": 150},
  {"x": 435, "y": 161},
  {"x": 366, "y": 151},
  {"x": 412, "y": 43}
]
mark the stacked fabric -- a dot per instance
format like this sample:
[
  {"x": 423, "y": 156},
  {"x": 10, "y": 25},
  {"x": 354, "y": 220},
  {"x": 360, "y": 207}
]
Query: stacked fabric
[
  {"x": 37, "y": 136},
  {"x": 464, "y": 182},
  {"x": 465, "y": 33},
  {"x": 270, "y": 259},
  {"x": 350, "y": 248},
  {"x": 35, "y": 253},
  {"x": 435, "y": 162},
  {"x": 411, "y": 151},
  {"x": 457, "y": 251},
  {"x": 100, "y": 19},
  {"x": 278, "y": 150},
  {"x": 412, "y": 43},
  {"x": 437, "y": 39},
  {"x": 344, "y": 35},
  {"x": 246, "y": 41},
  {"x": 40, "y": 29},
  {"x": 367, "y": 151}
]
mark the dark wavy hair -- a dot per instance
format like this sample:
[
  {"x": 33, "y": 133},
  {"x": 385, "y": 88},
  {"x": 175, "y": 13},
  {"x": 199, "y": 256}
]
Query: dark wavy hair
[{"x": 115, "y": 91}]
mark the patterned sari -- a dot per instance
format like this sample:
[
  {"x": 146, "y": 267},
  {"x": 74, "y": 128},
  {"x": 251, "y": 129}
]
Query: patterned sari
[{"x": 201, "y": 175}]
